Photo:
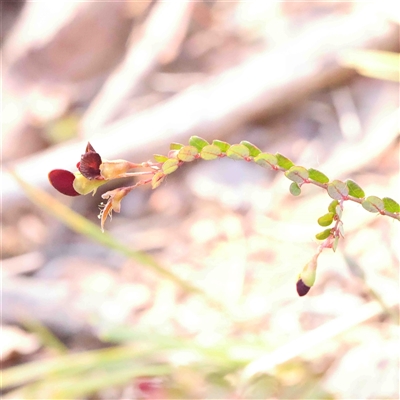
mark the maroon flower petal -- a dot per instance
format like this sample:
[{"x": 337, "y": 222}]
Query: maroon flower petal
[
  {"x": 89, "y": 166},
  {"x": 89, "y": 147},
  {"x": 63, "y": 180}
]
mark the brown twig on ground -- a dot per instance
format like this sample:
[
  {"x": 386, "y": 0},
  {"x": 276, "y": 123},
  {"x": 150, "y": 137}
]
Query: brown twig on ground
[{"x": 158, "y": 42}]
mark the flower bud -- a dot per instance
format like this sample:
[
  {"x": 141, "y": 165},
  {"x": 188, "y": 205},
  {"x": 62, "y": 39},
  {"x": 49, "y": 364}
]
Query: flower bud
[
  {"x": 114, "y": 169},
  {"x": 307, "y": 276}
]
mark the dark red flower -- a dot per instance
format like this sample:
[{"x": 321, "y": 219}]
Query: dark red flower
[
  {"x": 63, "y": 181},
  {"x": 87, "y": 180},
  {"x": 89, "y": 166}
]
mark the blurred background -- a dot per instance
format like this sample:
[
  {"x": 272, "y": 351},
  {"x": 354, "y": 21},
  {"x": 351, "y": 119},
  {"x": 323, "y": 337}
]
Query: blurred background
[{"x": 95, "y": 316}]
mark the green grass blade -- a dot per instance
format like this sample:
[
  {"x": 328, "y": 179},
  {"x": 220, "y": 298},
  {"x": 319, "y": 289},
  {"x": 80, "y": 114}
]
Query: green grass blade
[{"x": 87, "y": 228}]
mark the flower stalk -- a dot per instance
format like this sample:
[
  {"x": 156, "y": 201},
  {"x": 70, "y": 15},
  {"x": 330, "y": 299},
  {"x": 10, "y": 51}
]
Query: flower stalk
[{"x": 93, "y": 172}]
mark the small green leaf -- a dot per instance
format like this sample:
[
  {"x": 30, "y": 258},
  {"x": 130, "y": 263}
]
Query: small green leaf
[
  {"x": 332, "y": 206},
  {"x": 175, "y": 146},
  {"x": 317, "y": 176},
  {"x": 354, "y": 189},
  {"x": 297, "y": 174},
  {"x": 170, "y": 166},
  {"x": 369, "y": 206},
  {"x": 238, "y": 152},
  {"x": 198, "y": 142},
  {"x": 323, "y": 235},
  {"x": 295, "y": 189},
  {"x": 335, "y": 243},
  {"x": 254, "y": 150},
  {"x": 391, "y": 205},
  {"x": 224, "y": 146},
  {"x": 337, "y": 190},
  {"x": 326, "y": 219},
  {"x": 187, "y": 153},
  {"x": 160, "y": 158},
  {"x": 373, "y": 204},
  {"x": 283, "y": 161},
  {"x": 210, "y": 152},
  {"x": 266, "y": 160},
  {"x": 157, "y": 179}
]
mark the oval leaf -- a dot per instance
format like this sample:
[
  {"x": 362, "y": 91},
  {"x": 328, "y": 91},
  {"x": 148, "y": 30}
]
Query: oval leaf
[
  {"x": 254, "y": 150},
  {"x": 157, "y": 179},
  {"x": 323, "y": 235},
  {"x": 198, "y": 142},
  {"x": 170, "y": 166},
  {"x": 317, "y": 176},
  {"x": 369, "y": 206},
  {"x": 266, "y": 160},
  {"x": 326, "y": 219},
  {"x": 238, "y": 152},
  {"x": 391, "y": 205},
  {"x": 354, "y": 189},
  {"x": 175, "y": 146},
  {"x": 223, "y": 146},
  {"x": 295, "y": 189},
  {"x": 283, "y": 161},
  {"x": 337, "y": 190},
  {"x": 332, "y": 206},
  {"x": 210, "y": 152},
  {"x": 187, "y": 153},
  {"x": 297, "y": 174},
  {"x": 376, "y": 202},
  {"x": 160, "y": 158}
]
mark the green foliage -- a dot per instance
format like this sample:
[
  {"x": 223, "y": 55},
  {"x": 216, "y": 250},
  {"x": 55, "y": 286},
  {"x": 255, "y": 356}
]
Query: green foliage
[
  {"x": 254, "y": 150},
  {"x": 210, "y": 152},
  {"x": 223, "y": 146},
  {"x": 238, "y": 152},
  {"x": 160, "y": 158},
  {"x": 295, "y": 189},
  {"x": 354, "y": 189},
  {"x": 175, "y": 146},
  {"x": 157, "y": 179},
  {"x": 338, "y": 190},
  {"x": 326, "y": 219},
  {"x": 170, "y": 166},
  {"x": 317, "y": 176},
  {"x": 266, "y": 160},
  {"x": 297, "y": 174},
  {"x": 324, "y": 234},
  {"x": 283, "y": 161},
  {"x": 187, "y": 153},
  {"x": 198, "y": 142},
  {"x": 391, "y": 205},
  {"x": 373, "y": 204},
  {"x": 332, "y": 206}
]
